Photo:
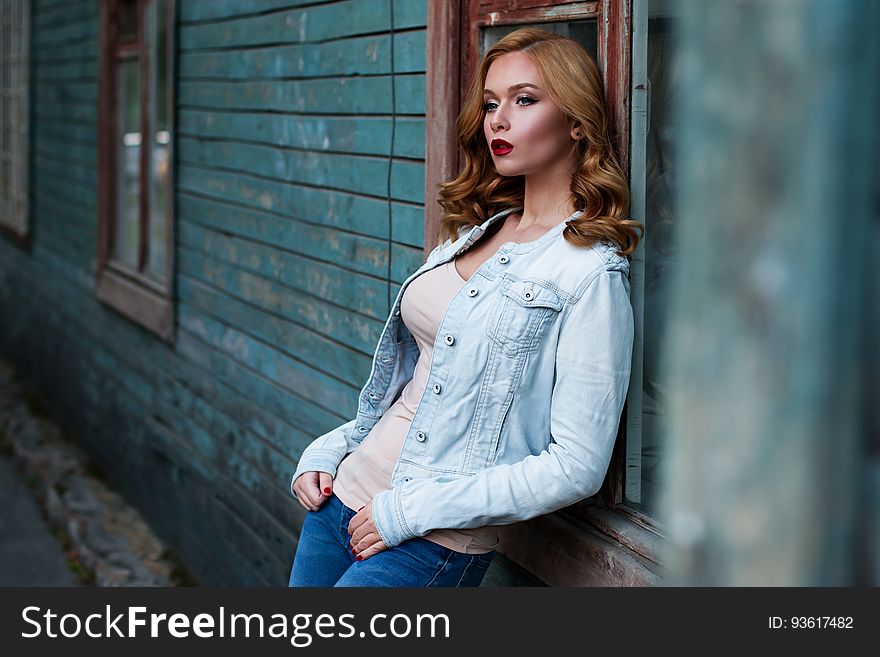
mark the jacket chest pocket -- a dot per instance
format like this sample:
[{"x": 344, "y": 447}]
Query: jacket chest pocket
[{"x": 520, "y": 315}]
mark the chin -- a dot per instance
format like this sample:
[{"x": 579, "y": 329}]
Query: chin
[
  {"x": 508, "y": 171},
  {"x": 505, "y": 169}
]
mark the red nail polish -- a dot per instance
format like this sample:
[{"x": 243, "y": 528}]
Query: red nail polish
[
  {"x": 359, "y": 558},
  {"x": 327, "y": 491}
]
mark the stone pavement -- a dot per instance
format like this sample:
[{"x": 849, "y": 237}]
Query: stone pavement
[
  {"x": 61, "y": 526},
  {"x": 30, "y": 555}
]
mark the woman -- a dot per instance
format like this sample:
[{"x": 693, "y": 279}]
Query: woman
[{"x": 499, "y": 378}]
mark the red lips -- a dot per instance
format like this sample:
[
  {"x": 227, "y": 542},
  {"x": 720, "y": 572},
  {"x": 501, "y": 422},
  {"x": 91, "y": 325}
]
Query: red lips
[{"x": 501, "y": 147}]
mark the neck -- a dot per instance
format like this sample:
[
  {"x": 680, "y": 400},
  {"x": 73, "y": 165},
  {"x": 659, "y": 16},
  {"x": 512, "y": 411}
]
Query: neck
[{"x": 547, "y": 199}]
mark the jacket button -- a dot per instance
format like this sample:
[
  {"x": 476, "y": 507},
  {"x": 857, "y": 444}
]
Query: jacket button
[
  {"x": 386, "y": 359},
  {"x": 528, "y": 295},
  {"x": 472, "y": 292},
  {"x": 396, "y": 312},
  {"x": 437, "y": 388},
  {"x": 420, "y": 436},
  {"x": 362, "y": 429},
  {"x": 449, "y": 339},
  {"x": 504, "y": 259},
  {"x": 407, "y": 478}
]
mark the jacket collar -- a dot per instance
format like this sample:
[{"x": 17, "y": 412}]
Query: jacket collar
[{"x": 475, "y": 233}]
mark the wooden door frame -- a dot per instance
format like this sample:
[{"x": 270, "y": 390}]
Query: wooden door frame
[{"x": 587, "y": 543}]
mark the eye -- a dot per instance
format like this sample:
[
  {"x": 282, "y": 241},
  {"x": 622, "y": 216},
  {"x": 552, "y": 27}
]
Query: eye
[{"x": 487, "y": 108}]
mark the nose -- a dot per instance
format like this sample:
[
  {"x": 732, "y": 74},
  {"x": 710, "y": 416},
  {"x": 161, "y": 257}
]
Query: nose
[{"x": 499, "y": 120}]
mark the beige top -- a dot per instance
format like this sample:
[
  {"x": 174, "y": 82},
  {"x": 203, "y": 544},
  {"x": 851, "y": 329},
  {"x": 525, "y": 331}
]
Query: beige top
[{"x": 367, "y": 470}]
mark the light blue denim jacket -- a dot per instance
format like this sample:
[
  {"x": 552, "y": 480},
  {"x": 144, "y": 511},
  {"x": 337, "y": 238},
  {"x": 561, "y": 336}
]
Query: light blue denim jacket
[{"x": 527, "y": 381}]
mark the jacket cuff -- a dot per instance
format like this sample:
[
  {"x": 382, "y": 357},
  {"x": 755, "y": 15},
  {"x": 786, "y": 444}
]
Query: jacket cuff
[{"x": 388, "y": 518}]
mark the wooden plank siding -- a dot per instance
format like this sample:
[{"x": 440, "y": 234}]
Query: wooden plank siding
[{"x": 299, "y": 195}]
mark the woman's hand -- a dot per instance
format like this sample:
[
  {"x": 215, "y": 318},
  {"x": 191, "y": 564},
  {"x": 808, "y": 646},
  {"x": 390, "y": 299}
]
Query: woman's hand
[
  {"x": 365, "y": 540},
  {"x": 312, "y": 489}
]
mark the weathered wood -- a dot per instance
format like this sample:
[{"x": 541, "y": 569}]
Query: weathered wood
[
  {"x": 300, "y": 189},
  {"x": 562, "y": 552},
  {"x": 334, "y": 208}
]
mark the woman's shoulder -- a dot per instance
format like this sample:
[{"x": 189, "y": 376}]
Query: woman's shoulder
[
  {"x": 609, "y": 256},
  {"x": 603, "y": 254}
]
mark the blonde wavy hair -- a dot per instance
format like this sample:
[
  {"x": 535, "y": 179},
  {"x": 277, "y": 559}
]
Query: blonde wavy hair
[{"x": 598, "y": 185}]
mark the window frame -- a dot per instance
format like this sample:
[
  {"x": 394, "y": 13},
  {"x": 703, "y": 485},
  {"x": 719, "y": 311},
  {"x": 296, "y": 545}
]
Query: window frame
[
  {"x": 18, "y": 228},
  {"x": 131, "y": 292},
  {"x": 583, "y": 529}
]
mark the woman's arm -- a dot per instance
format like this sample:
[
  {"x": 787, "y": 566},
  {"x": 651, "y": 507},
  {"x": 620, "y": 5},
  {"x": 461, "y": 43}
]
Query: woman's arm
[
  {"x": 593, "y": 365},
  {"x": 326, "y": 452}
]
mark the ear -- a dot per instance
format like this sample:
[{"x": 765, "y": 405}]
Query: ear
[{"x": 575, "y": 131}]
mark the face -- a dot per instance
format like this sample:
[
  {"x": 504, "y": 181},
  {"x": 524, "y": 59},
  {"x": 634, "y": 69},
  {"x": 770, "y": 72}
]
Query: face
[{"x": 525, "y": 117}]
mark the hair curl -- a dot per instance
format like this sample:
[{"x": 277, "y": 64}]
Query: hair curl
[{"x": 598, "y": 185}]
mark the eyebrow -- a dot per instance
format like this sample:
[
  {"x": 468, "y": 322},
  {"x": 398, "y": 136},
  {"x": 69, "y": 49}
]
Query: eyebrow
[{"x": 515, "y": 87}]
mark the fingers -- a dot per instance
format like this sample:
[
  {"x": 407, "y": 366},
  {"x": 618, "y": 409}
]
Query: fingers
[
  {"x": 326, "y": 483},
  {"x": 365, "y": 539},
  {"x": 356, "y": 521},
  {"x": 360, "y": 545},
  {"x": 306, "y": 488},
  {"x": 368, "y": 546},
  {"x": 363, "y": 531}
]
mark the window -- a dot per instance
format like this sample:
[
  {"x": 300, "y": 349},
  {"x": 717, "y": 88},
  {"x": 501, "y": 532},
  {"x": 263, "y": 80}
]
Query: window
[
  {"x": 458, "y": 34},
  {"x": 14, "y": 85},
  {"x": 135, "y": 159}
]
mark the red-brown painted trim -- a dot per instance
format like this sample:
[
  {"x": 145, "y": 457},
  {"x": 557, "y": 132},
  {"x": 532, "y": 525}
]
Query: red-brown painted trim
[
  {"x": 144, "y": 151},
  {"x": 107, "y": 37},
  {"x": 170, "y": 97},
  {"x": 442, "y": 103},
  {"x": 615, "y": 61}
]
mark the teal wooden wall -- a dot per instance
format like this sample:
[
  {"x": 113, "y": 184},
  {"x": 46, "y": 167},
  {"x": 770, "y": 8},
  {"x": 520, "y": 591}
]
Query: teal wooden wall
[{"x": 300, "y": 135}]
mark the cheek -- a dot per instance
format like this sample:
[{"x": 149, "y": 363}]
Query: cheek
[{"x": 546, "y": 134}]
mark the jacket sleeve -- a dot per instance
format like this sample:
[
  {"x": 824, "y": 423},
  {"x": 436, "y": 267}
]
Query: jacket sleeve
[
  {"x": 326, "y": 452},
  {"x": 593, "y": 364}
]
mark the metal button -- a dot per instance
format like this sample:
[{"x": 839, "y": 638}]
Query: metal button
[
  {"x": 437, "y": 388},
  {"x": 472, "y": 292},
  {"x": 528, "y": 295},
  {"x": 449, "y": 339},
  {"x": 420, "y": 436},
  {"x": 407, "y": 478},
  {"x": 396, "y": 312},
  {"x": 362, "y": 429},
  {"x": 386, "y": 359},
  {"x": 374, "y": 396},
  {"x": 504, "y": 259}
]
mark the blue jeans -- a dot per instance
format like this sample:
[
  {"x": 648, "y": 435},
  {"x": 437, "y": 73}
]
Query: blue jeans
[{"x": 323, "y": 557}]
